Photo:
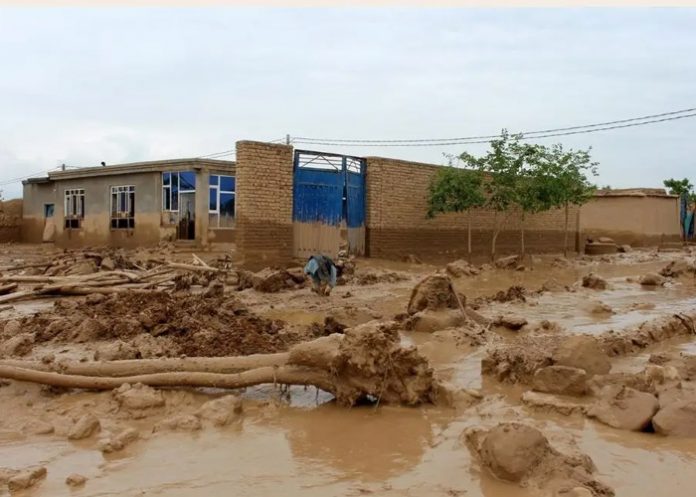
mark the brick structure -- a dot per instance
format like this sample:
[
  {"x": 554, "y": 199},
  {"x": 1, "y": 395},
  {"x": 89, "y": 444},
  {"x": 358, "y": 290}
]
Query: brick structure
[
  {"x": 397, "y": 199},
  {"x": 264, "y": 203}
]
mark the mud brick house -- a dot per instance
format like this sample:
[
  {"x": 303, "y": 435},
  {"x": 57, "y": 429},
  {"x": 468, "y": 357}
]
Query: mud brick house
[{"x": 133, "y": 204}]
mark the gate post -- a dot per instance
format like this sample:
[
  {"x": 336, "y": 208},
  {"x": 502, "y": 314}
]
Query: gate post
[{"x": 264, "y": 173}]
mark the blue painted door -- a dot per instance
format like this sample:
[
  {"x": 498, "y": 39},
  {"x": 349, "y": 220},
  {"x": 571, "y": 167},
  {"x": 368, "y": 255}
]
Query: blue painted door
[{"x": 328, "y": 200}]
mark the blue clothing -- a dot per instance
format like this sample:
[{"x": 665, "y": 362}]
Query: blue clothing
[{"x": 322, "y": 270}]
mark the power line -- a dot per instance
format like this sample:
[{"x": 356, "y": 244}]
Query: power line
[
  {"x": 470, "y": 141},
  {"x": 224, "y": 152},
  {"x": 14, "y": 180},
  {"x": 233, "y": 151},
  {"x": 546, "y": 132}
]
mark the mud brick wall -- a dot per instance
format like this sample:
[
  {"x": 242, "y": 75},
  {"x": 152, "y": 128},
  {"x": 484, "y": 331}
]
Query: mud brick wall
[
  {"x": 397, "y": 199},
  {"x": 639, "y": 220},
  {"x": 264, "y": 203},
  {"x": 10, "y": 220}
]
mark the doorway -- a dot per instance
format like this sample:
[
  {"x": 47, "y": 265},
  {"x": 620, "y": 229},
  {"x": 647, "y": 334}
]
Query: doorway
[
  {"x": 49, "y": 229},
  {"x": 187, "y": 216}
]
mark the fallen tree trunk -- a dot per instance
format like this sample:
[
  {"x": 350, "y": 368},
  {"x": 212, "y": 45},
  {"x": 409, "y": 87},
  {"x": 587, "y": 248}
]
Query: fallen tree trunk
[
  {"x": 366, "y": 361},
  {"x": 17, "y": 295},
  {"x": 191, "y": 267},
  {"x": 5, "y": 289},
  {"x": 291, "y": 375},
  {"x": 200, "y": 261},
  {"x": 25, "y": 266},
  {"x": 132, "y": 367}
]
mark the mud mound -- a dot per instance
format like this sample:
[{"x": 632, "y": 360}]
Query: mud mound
[
  {"x": 518, "y": 453},
  {"x": 270, "y": 280},
  {"x": 594, "y": 281},
  {"x": 509, "y": 262},
  {"x": 382, "y": 277},
  {"x": 513, "y": 294},
  {"x": 185, "y": 324},
  {"x": 677, "y": 268},
  {"x": 624, "y": 408},
  {"x": 582, "y": 352},
  {"x": 460, "y": 268},
  {"x": 651, "y": 279},
  {"x": 518, "y": 360},
  {"x": 371, "y": 361},
  {"x": 651, "y": 332},
  {"x": 329, "y": 327},
  {"x": 433, "y": 292}
]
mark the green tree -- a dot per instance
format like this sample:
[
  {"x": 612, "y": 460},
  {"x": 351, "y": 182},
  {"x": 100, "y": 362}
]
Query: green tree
[
  {"x": 679, "y": 186},
  {"x": 502, "y": 166},
  {"x": 570, "y": 184},
  {"x": 536, "y": 187},
  {"x": 456, "y": 190}
]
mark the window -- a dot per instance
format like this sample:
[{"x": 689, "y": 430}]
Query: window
[
  {"x": 173, "y": 184},
  {"x": 222, "y": 195},
  {"x": 49, "y": 210},
  {"x": 74, "y": 210},
  {"x": 122, "y": 207}
]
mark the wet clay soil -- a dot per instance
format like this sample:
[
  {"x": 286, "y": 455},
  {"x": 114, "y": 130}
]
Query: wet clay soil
[{"x": 297, "y": 442}]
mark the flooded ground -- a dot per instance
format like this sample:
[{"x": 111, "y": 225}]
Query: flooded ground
[{"x": 296, "y": 441}]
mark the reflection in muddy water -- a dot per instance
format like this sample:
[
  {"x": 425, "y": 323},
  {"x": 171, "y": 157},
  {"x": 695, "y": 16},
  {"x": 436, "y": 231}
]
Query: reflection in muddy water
[{"x": 363, "y": 443}]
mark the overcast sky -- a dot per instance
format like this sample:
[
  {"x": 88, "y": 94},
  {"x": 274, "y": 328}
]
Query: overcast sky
[{"x": 84, "y": 85}]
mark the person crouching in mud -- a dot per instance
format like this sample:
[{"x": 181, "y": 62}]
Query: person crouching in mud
[{"x": 323, "y": 272}]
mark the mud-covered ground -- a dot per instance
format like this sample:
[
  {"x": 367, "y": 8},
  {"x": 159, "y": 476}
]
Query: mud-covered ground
[{"x": 272, "y": 440}]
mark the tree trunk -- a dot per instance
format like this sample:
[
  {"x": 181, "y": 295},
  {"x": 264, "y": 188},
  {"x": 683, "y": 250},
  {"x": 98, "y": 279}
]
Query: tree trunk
[
  {"x": 134, "y": 367},
  {"x": 522, "y": 237},
  {"x": 496, "y": 231},
  {"x": 565, "y": 234},
  {"x": 468, "y": 229},
  {"x": 290, "y": 375}
]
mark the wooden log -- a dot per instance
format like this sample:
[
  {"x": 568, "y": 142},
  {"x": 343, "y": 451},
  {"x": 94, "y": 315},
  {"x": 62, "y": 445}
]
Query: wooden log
[
  {"x": 5, "y": 289},
  {"x": 191, "y": 267},
  {"x": 10, "y": 297},
  {"x": 290, "y": 375},
  {"x": 199, "y": 260},
  {"x": 132, "y": 367},
  {"x": 25, "y": 266}
]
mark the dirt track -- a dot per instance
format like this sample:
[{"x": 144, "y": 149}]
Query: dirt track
[{"x": 295, "y": 441}]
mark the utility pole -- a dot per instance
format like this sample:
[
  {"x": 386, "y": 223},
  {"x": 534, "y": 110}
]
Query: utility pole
[{"x": 287, "y": 139}]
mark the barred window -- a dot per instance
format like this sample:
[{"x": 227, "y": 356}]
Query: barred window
[
  {"x": 74, "y": 208},
  {"x": 122, "y": 207}
]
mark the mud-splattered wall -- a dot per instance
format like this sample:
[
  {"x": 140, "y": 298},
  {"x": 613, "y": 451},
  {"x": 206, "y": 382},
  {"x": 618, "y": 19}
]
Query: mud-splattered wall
[
  {"x": 10, "y": 220},
  {"x": 636, "y": 218},
  {"x": 397, "y": 198},
  {"x": 264, "y": 203}
]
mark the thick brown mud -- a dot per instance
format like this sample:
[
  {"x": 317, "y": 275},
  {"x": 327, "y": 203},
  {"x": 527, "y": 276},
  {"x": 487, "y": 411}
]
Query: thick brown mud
[{"x": 297, "y": 441}]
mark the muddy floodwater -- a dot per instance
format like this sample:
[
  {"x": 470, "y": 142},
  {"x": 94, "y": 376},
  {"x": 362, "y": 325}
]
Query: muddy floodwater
[{"x": 297, "y": 441}]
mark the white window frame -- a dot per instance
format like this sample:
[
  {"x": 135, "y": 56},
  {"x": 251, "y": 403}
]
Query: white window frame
[
  {"x": 168, "y": 189},
  {"x": 117, "y": 213},
  {"x": 73, "y": 207},
  {"x": 218, "y": 192}
]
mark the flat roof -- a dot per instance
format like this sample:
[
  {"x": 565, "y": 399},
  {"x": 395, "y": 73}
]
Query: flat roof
[
  {"x": 634, "y": 192},
  {"x": 133, "y": 167}
]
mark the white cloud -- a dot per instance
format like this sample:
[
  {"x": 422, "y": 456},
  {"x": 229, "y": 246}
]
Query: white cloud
[{"x": 85, "y": 85}]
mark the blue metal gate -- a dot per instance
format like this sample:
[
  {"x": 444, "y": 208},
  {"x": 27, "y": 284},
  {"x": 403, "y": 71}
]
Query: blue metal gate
[{"x": 328, "y": 203}]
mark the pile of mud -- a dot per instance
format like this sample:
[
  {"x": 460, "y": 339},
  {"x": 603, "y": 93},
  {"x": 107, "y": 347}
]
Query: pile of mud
[
  {"x": 367, "y": 278},
  {"x": 370, "y": 362},
  {"x": 515, "y": 452},
  {"x": 182, "y": 324}
]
